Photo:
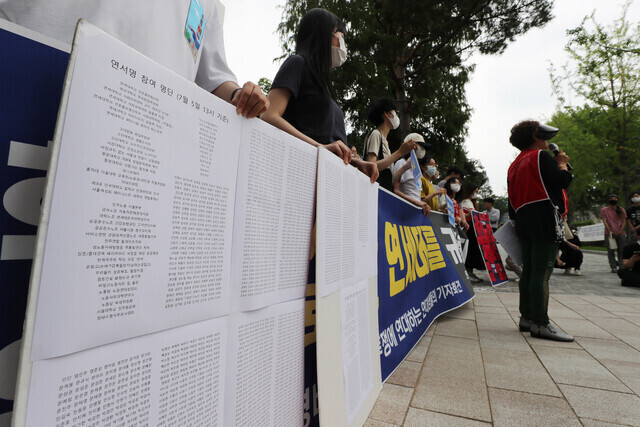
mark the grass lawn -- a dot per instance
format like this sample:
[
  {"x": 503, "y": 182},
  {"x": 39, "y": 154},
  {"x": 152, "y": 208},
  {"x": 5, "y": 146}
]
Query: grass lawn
[{"x": 594, "y": 248}]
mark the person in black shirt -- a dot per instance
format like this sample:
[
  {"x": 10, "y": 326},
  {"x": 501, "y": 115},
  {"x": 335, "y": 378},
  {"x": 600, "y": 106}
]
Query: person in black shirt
[
  {"x": 630, "y": 271},
  {"x": 572, "y": 256},
  {"x": 301, "y": 100},
  {"x": 535, "y": 182},
  {"x": 633, "y": 215}
]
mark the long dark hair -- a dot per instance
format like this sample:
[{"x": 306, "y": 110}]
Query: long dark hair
[
  {"x": 447, "y": 186},
  {"x": 466, "y": 191},
  {"x": 313, "y": 43}
]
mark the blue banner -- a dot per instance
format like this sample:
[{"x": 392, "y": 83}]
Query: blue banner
[
  {"x": 31, "y": 78},
  {"x": 419, "y": 264}
]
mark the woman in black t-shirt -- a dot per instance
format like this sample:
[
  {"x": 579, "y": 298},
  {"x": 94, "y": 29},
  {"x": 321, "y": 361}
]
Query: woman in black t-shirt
[{"x": 302, "y": 103}]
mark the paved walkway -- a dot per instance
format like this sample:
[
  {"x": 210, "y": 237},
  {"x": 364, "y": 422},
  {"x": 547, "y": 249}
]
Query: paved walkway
[{"x": 473, "y": 366}]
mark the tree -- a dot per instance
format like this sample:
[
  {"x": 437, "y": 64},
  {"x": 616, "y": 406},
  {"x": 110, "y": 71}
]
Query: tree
[
  {"x": 414, "y": 52},
  {"x": 603, "y": 135},
  {"x": 265, "y": 85}
]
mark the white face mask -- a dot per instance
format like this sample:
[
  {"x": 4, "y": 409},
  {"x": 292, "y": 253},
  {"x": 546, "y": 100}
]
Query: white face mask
[
  {"x": 395, "y": 121},
  {"x": 431, "y": 170},
  {"x": 420, "y": 152},
  {"x": 455, "y": 187},
  {"x": 338, "y": 54},
  {"x": 635, "y": 199}
]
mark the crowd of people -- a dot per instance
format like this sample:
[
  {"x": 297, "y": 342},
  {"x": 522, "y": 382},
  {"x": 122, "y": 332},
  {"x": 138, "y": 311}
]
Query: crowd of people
[{"x": 301, "y": 102}]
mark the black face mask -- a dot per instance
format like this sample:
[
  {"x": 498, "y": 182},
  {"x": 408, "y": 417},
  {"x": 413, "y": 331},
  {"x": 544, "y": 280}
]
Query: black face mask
[{"x": 613, "y": 202}]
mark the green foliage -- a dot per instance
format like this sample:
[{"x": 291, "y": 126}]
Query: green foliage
[
  {"x": 593, "y": 247},
  {"x": 577, "y": 224},
  {"x": 413, "y": 51},
  {"x": 265, "y": 85},
  {"x": 602, "y": 137}
]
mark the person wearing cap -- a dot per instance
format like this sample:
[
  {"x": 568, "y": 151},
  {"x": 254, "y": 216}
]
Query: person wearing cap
[
  {"x": 535, "y": 181},
  {"x": 404, "y": 183},
  {"x": 614, "y": 218}
]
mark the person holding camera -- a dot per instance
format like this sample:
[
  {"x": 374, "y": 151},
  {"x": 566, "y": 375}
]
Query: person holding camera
[
  {"x": 633, "y": 215},
  {"x": 630, "y": 269}
]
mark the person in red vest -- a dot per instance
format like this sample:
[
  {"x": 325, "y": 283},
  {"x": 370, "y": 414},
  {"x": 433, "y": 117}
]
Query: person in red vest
[{"x": 535, "y": 182}]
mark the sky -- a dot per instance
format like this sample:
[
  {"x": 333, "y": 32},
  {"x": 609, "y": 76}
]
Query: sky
[{"x": 503, "y": 90}]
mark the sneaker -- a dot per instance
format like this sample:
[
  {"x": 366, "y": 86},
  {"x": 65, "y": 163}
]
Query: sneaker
[
  {"x": 525, "y": 324},
  {"x": 567, "y": 271},
  {"x": 577, "y": 272},
  {"x": 473, "y": 278},
  {"x": 614, "y": 270},
  {"x": 549, "y": 332}
]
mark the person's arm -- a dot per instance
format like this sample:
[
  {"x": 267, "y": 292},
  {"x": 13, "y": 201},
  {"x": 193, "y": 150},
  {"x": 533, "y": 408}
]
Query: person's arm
[
  {"x": 404, "y": 149},
  {"x": 623, "y": 223},
  {"x": 249, "y": 99},
  {"x": 512, "y": 211},
  {"x": 629, "y": 263},
  {"x": 606, "y": 225},
  {"x": 397, "y": 176},
  {"x": 375, "y": 143},
  {"x": 430, "y": 196},
  {"x": 572, "y": 246},
  {"x": 368, "y": 168},
  {"x": 279, "y": 99},
  {"x": 554, "y": 171},
  {"x": 464, "y": 223}
]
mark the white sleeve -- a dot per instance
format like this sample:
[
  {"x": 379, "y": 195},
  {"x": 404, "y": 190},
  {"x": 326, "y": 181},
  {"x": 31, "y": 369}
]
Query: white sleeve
[{"x": 213, "y": 69}]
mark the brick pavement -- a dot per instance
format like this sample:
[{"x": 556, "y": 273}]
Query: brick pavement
[{"x": 474, "y": 367}]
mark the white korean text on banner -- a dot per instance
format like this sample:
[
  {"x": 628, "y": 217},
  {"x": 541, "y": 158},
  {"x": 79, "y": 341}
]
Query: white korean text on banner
[{"x": 419, "y": 277}]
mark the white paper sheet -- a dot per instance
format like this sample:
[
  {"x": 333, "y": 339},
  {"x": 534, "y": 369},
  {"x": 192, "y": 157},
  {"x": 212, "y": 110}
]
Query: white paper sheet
[
  {"x": 345, "y": 251},
  {"x": 356, "y": 354},
  {"x": 367, "y": 236},
  {"x": 506, "y": 236},
  {"x": 591, "y": 233},
  {"x": 166, "y": 378},
  {"x": 139, "y": 235},
  {"x": 265, "y": 374},
  {"x": 274, "y": 216}
]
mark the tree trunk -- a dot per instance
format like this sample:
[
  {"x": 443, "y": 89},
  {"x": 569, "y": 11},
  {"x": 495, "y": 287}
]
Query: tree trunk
[{"x": 402, "y": 102}]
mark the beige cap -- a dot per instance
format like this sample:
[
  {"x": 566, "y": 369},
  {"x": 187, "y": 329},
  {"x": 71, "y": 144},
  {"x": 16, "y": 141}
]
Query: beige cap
[{"x": 414, "y": 137}]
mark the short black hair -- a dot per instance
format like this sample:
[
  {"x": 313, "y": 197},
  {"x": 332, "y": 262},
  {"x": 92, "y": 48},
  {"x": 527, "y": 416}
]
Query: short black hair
[
  {"x": 423, "y": 161},
  {"x": 489, "y": 200},
  {"x": 455, "y": 169},
  {"x": 377, "y": 108},
  {"x": 523, "y": 134}
]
